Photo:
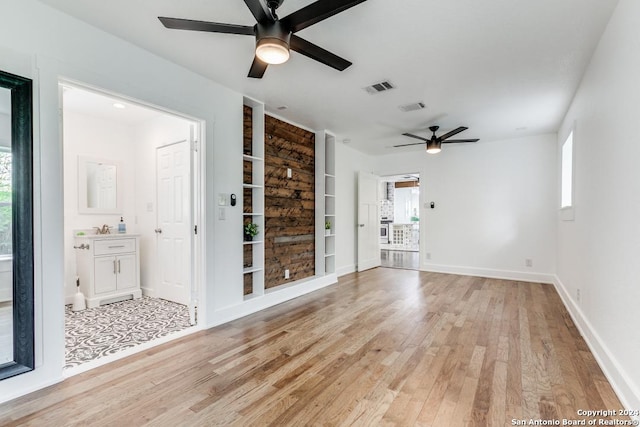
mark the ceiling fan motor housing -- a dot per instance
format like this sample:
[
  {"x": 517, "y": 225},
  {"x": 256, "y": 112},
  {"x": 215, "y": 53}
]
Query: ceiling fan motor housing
[{"x": 274, "y": 30}]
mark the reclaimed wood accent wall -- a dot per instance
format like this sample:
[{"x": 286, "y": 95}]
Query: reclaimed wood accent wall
[
  {"x": 289, "y": 202},
  {"x": 246, "y": 192}
]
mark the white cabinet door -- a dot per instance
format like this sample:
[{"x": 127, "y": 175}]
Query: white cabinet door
[
  {"x": 127, "y": 273},
  {"x": 105, "y": 274}
]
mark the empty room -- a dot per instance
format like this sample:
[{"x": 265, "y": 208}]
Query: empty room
[{"x": 330, "y": 212}]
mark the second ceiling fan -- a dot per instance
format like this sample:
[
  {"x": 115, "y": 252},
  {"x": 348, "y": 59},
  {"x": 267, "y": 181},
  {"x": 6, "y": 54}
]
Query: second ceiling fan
[
  {"x": 275, "y": 36},
  {"x": 434, "y": 143}
]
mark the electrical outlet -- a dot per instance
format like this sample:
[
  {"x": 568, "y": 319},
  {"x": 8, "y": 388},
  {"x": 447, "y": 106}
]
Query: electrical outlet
[
  {"x": 528, "y": 262},
  {"x": 286, "y": 274},
  {"x": 427, "y": 255},
  {"x": 578, "y": 296}
]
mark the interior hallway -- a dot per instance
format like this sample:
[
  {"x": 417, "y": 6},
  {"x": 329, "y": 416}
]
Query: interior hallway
[
  {"x": 382, "y": 346},
  {"x": 400, "y": 259}
]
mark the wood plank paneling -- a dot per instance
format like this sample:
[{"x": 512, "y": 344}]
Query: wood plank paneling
[
  {"x": 289, "y": 202},
  {"x": 382, "y": 347}
]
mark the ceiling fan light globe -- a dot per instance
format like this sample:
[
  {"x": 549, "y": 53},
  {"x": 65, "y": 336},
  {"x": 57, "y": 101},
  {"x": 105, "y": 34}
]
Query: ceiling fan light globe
[
  {"x": 434, "y": 150},
  {"x": 272, "y": 51}
]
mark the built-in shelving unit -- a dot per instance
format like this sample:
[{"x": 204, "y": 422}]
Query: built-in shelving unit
[
  {"x": 326, "y": 203},
  {"x": 253, "y": 202}
]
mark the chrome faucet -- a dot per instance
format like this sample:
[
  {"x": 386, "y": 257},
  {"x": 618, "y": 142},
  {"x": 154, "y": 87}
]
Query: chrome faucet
[{"x": 102, "y": 230}]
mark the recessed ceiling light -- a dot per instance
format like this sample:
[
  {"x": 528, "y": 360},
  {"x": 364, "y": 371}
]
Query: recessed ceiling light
[
  {"x": 282, "y": 107},
  {"x": 119, "y": 105}
]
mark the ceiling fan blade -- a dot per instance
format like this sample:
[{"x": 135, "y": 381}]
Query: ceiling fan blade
[
  {"x": 257, "y": 68},
  {"x": 453, "y": 132},
  {"x": 455, "y": 141},
  {"x": 211, "y": 27},
  {"x": 317, "y": 53},
  {"x": 413, "y": 143},
  {"x": 258, "y": 12},
  {"x": 316, "y": 12},
  {"x": 410, "y": 135}
]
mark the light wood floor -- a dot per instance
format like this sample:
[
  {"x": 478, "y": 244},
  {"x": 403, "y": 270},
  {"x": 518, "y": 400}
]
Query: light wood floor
[{"x": 383, "y": 347}]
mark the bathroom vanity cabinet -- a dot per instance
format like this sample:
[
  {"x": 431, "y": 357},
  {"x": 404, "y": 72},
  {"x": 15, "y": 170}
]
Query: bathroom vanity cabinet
[{"x": 108, "y": 267}]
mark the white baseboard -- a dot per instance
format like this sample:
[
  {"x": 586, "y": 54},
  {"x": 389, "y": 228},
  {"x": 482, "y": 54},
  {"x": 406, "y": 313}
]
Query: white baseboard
[
  {"x": 148, "y": 292},
  {"x": 269, "y": 299},
  {"x": 490, "y": 273},
  {"x": 627, "y": 391},
  {"x": 347, "y": 269}
]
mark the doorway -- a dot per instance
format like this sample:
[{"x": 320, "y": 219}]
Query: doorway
[
  {"x": 136, "y": 282},
  {"x": 400, "y": 221}
]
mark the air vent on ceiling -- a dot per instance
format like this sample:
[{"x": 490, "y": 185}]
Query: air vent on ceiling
[
  {"x": 412, "y": 107},
  {"x": 379, "y": 87}
]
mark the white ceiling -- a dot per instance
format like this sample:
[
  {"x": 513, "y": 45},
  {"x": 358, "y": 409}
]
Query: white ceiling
[
  {"x": 81, "y": 100},
  {"x": 504, "y": 68}
]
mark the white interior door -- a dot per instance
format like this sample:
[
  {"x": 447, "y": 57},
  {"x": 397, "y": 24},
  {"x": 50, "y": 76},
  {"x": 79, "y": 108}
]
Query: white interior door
[
  {"x": 368, "y": 222},
  {"x": 173, "y": 233}
]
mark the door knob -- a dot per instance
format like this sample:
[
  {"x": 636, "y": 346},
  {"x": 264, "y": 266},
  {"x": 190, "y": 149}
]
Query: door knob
[{"x": 158, "y": 230}]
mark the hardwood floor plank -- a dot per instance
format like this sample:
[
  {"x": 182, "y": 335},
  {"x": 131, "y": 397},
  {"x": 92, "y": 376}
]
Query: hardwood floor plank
[{"x": 382, "y": 347}]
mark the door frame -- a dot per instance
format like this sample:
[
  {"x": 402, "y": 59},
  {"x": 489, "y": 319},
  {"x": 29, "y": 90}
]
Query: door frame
[
  {"x": 198, "y": 215},
  {"x": 421, "y": 212}
]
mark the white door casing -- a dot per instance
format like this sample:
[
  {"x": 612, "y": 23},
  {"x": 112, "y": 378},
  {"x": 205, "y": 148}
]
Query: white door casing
[
  {"x": 173, "y": 165},
  {"x": 368, "y": 219}
]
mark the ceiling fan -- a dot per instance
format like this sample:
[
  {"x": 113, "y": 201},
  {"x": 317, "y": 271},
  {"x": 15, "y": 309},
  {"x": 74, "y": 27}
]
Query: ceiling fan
[
  {"x": 275, "y": 36},
  {"x": 434, "y": 143}
]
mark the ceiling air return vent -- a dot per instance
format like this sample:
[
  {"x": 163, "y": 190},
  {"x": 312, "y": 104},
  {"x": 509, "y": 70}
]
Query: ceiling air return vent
[
  {"x": 379, "y": 87},
  {"x": 412, "y": 107}
]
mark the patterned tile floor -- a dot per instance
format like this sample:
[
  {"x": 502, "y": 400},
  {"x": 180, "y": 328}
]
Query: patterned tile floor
[{"x": 101, "y": 331}]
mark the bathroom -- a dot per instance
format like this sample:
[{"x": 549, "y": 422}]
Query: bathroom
[{"x": 129, "y": 145}]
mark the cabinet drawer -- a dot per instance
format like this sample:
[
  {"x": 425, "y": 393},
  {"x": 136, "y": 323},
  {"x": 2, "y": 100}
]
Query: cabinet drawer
[{"x": 114, "y": 246}]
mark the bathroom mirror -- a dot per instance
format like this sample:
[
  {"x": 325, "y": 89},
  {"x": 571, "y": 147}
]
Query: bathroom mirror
[
  {"x": 99, "y": 186},
  {"x": 16, "y": 226}
]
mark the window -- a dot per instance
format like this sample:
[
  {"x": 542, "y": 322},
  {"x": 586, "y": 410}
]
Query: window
[{"x": 567, "y": 173}]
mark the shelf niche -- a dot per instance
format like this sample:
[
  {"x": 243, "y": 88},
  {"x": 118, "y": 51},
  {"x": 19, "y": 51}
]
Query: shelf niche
[{"x": 253, "y": 196}]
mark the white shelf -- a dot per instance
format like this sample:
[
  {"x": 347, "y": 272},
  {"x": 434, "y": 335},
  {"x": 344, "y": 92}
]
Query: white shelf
[
  {"x": 329, "y": 195},
  {"x": 329, "y": 215},
  {"x": 329, "y": 255},
  {"x": 253, "y": 190},
  {"x": 329, "y": 235},
  {"x": 252, "y": 158},
  {"x": 328, "y": 175}
]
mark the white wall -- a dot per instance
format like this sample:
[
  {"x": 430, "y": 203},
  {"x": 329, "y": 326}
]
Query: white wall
[
  {"x": 598, "y": 251},
  {"x": 348, "y": 163},
  {"x": 494, "y": 206},
  {"x": 98, "y": 138}
]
